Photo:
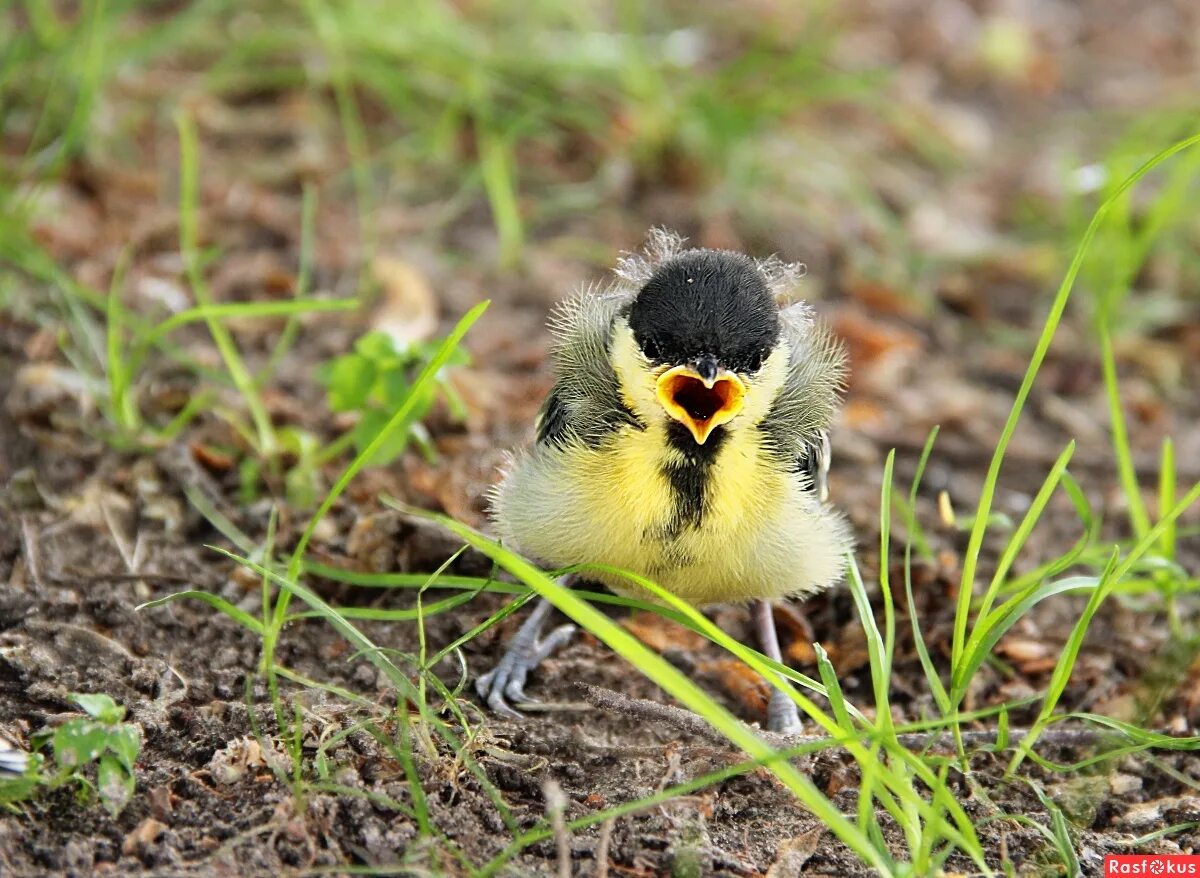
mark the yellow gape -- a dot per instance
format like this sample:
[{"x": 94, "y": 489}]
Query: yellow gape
[{"x": 700, "y": 404}]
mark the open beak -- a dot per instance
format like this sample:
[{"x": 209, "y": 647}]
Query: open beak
[{"x": 700, "y": 403}]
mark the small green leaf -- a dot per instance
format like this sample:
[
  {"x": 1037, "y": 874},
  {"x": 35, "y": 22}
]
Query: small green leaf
[
  {"x": 125, "y": 742},
  {"x": 377, "y": 346},
  {"x": 249, "y": 477},
  {"x": 114, "y": 784},
  {"x": 101, "y": 707},
  {"x": 350, "y": 380},
  {"x": 303, "y": 486},
  {"x": 394, "y": 387},
  {"x": 79, "y": 742},
  {"x": 323, "y": 373},
  {"x": 368, "y": 428},
  {"x": 20, "y": 788},
  {"x": 302, "y": 443}
]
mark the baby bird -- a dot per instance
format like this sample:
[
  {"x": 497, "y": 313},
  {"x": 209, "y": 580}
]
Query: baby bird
[{"x": 685, "y": 439}]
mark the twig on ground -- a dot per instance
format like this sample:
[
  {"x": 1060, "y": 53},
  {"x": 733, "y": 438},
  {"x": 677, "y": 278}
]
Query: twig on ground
[
  {"x": 556, "y": 804},
  {"x": 640, "y": 708},
  {"x": 602, "y": 845},
  {"x": 693, "y": 724},
  {"x": 29, "y": 545},
  {"x": 120, "y": 540}
]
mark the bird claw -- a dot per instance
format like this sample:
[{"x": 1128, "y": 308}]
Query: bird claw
[
  {"x": 559, "y": 637},
  {"x": 515, "y": 690},
  {"x": 505, "y": 683}
]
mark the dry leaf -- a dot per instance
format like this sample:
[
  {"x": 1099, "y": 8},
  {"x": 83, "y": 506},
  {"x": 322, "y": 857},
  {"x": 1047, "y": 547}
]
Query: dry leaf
[
  {"x": 795, "y": 623},
  {"x": 863, "y": 414},
  {"x": 143, "y": 835},
  {"x": 741, "y": 681},
  {"x": 210, "y": 458},
  {"x": 408, "y": 312},
  {"x": 793, "y": 853},
  {"x": 870, "y": 340},
  {"x": 880, "y": 298},
  {"x": 662, "y": 634},
  {"x": 800, "y": 652},
  {"x": 798, "y": 632},
  {"x": 1030, "y": 656},
  {"x": 231, "y": 763}
]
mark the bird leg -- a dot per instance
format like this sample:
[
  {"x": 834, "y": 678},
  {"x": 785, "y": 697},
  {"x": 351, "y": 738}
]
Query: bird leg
[
  {"x": 526, "y": 650},
  {"x": 782, "y": 714}
]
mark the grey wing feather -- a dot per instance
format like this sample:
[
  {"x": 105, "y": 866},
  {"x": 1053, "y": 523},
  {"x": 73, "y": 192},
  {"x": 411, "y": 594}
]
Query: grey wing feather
[
  {"x": 798, "y": 423},
  {"x": 816, "y": 464},
  {"x": 585, "y": 404}
]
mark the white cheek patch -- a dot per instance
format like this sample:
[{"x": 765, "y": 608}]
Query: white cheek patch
[
  {"x": 636, "y": 375},
  {"x": 761, "y": 389}
]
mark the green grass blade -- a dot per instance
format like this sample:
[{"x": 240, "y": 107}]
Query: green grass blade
[
  {"x": 876, "y": 648},
  {"x": 401, "y": 416},
  {"x": 503, "y": 613},
  {"x": 679, "y": 686},
  {"x": 356, "y": 638},
  {"x": 376, "y": 614},
  {"x": 188, "y": 246},
  {"x": 308, "y": 220},
  {"x": 499, "y": 172},
  {"x": 238, "y": 311},
  {"x": 837, "y": 700},
  {"x": 217, "y": 603},
  {"x": 1017, "y": 541},
  {"x": 975, "y": 543},
  {"x": 885, "y": 583},
  {"x": 364, "y": 579},
  {"x": 1066, "y": 662},
  {"x": 1166, "y": 497},
  {"x": 987, "y": 632},
  {"x": 1112, "y": 575},
  {"x": 1059, "y": 834},
  {"x": 931, "y": 673},
  {"x": 124, "y": 411},
  {"x": 1139, "y": 518}
]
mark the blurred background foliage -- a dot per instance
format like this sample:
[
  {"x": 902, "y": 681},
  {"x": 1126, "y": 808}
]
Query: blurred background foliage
[{"x": 923, "y": 159}]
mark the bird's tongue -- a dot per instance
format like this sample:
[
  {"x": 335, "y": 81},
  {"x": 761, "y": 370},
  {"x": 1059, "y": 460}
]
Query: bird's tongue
[{"x": 699, "y": 401}]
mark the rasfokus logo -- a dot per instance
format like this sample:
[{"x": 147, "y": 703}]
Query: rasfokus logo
[{"x": 1152, "y": 865}]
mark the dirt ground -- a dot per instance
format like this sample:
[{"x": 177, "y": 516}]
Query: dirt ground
[{"x": 88, "y": 532}]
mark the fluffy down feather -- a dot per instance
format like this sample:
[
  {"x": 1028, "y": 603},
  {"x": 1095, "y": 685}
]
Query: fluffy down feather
[{"x": 596, "y": 488}]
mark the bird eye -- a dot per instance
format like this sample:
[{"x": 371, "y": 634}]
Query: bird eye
[
  {"x": 756, "y": 361},
  {"x": 650, "y": 349}
]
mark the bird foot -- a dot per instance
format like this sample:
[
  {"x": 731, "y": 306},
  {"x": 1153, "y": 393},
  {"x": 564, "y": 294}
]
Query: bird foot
[
  {"x": 505, "y": 682},
  {"x": 782, "y": 715}
]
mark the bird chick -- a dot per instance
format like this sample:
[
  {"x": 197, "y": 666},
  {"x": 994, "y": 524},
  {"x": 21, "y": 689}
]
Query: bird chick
[{"x": 685, "y": 439}]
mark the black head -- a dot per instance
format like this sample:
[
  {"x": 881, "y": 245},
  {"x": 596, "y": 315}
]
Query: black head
[{"x": 706, "y": 304}]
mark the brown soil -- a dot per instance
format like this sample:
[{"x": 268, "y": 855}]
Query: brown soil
[{"x": 948, "y": 348}]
